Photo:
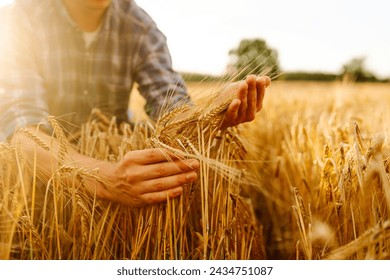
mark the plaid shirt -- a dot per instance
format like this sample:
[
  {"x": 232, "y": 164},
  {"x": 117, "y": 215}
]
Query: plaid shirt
[{"x": 46, "y": 69}]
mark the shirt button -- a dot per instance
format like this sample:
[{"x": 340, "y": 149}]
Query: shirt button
[{"x": 85, "y": 92}]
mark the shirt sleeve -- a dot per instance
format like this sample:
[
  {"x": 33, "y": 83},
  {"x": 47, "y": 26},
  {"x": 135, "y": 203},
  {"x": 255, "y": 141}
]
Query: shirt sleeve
[
  {"x": 158, "y": 83},
  {"x": 22, "y": 92}
]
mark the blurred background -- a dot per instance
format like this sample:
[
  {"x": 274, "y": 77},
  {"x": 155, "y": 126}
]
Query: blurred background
[{"x": 304, "y": 36}]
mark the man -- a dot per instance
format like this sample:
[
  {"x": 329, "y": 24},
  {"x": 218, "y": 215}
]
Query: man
[{"x": 65, "y": 57}]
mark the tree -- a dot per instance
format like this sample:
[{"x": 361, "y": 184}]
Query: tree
[
  {"x": 355, "y": 70},
  {"x": 254, "y": 57}
]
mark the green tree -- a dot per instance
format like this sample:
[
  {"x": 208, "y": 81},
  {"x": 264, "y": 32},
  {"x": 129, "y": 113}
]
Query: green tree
[
  {"x": 355, "y": 70},
  {"x": 254, "y": 57}
]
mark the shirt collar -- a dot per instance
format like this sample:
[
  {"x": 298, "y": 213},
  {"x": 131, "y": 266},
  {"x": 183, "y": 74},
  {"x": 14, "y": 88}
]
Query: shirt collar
[{"x": 60, "y": 7}]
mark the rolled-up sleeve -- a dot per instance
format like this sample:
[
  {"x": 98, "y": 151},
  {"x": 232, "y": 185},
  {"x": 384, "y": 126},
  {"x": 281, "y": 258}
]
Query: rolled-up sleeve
[{"x": 22, "y": 91}]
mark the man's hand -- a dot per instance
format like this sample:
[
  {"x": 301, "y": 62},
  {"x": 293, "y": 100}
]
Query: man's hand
[
  {"x": 145, "y": 177},
  {"x": 249, "y": 100}
]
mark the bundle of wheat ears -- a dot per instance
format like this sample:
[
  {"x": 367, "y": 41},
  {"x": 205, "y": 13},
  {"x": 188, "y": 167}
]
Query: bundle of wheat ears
[{"x": 59, "y": 219}]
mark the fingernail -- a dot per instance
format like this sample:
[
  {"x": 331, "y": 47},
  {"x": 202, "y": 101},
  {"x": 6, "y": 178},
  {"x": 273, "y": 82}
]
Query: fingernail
[
  {"x": 194, "y": 164},
  {"x": 191, "y": 176}
]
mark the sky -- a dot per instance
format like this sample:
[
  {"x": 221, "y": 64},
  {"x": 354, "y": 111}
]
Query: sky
[{"x": 308, "y": 35}]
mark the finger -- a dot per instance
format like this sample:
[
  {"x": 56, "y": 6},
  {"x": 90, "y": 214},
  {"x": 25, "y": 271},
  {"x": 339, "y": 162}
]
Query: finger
[
  {"x": 164, "y": 169},
  {"x": 251, "y": 98},
  {"x": 150, "y": 156},
  {"x": 261, "y": 84},
  {"x": 267, "y": 81},
  {"x": 231, "y": 114},
  {"x": 167, "y": 183},
  {"x": 158, "y": 197},
  {"x": 242, "y": 95}
]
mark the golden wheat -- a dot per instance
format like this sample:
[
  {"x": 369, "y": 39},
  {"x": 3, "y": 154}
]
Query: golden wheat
[{"x": 308, "y": 180}]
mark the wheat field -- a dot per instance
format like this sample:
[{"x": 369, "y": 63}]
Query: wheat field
[
  {"x": 308, "y": 179},
  {"x": 322, "y": 156}
]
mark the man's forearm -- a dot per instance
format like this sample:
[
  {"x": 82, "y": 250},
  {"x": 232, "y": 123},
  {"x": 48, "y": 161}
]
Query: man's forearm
[{"x": 141, "y": 178}]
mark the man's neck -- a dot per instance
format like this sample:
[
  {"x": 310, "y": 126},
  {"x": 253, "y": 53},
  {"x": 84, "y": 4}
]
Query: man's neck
[{"x": 87, "y": 18}]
